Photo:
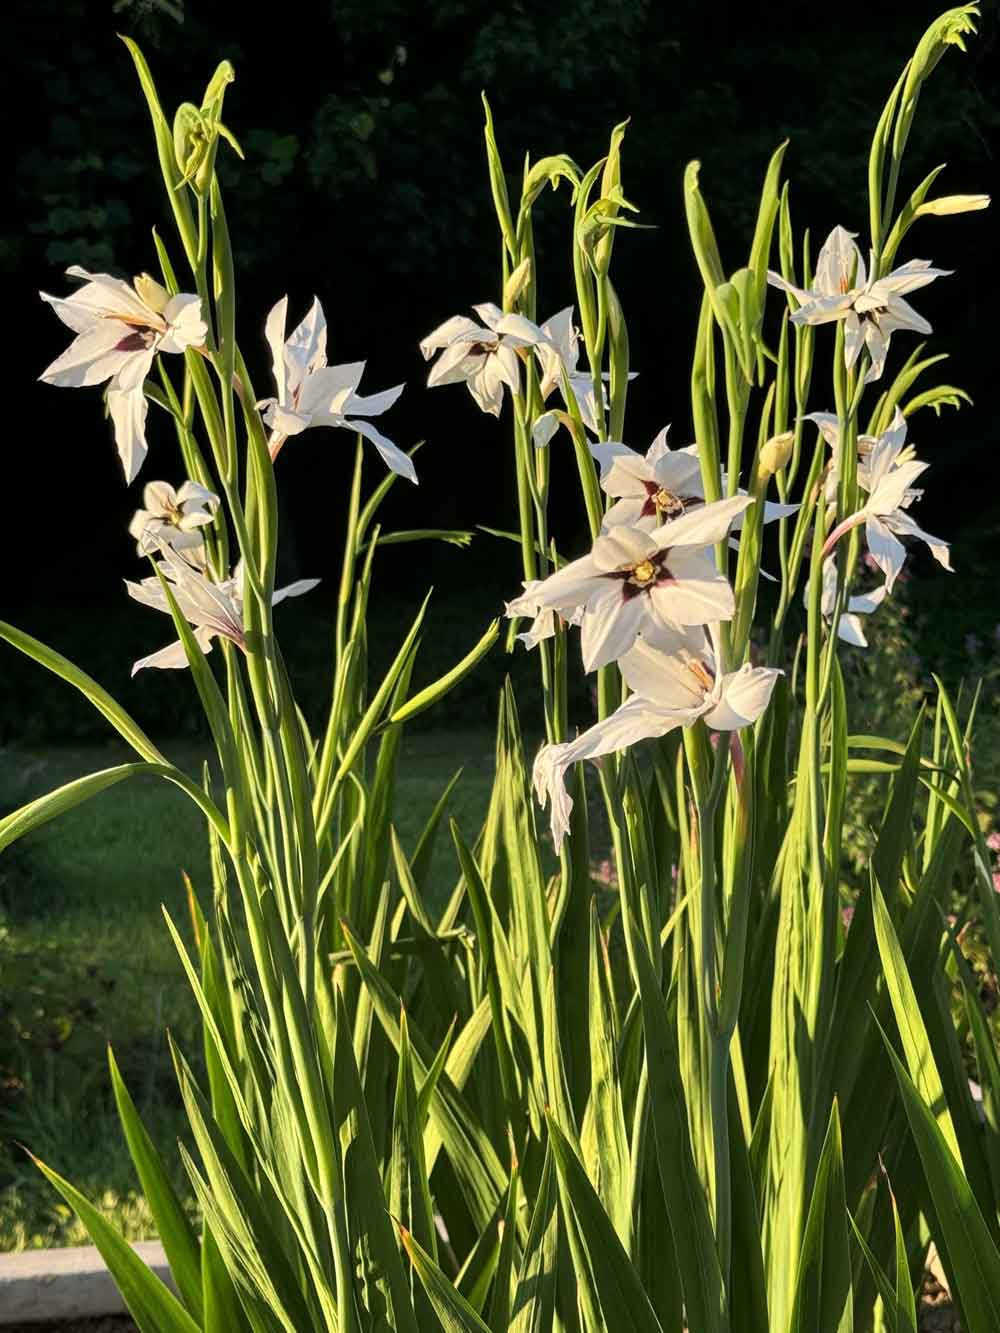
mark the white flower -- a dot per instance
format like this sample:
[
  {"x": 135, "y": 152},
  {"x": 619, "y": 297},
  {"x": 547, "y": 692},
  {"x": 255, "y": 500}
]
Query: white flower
[
  {"x": 543, "y": 623},
  {"x": 484, "y": 356},
  {"x": 676, "y": 682},
  {"x": 558, "y": 352},
  {"x": 872, "y": 309},
  {"x": 849, "y": 626},
  {"x": 211, "y": 608},
  {"x": 887, "y": 474},
  {"x": 311, "y": 393},
  {"x": 173, "y": 517},
  {"x": 635, "y": 582},
  {"x": 120, "y": 328},
  {"x": 659, "y": 486}
]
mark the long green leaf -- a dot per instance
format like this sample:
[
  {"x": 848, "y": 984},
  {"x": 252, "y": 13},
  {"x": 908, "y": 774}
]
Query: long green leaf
[
  {"x": 153, "y": 1306},
  {"x": 823, "y": 1293}
]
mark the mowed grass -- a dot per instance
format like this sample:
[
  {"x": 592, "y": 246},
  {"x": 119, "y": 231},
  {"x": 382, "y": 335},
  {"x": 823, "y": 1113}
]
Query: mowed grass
[{"x": 86, "y": 960}]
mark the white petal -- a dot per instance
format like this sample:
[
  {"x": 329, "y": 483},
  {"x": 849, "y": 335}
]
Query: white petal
[
  {"x": 697, "y": 594},
  {"x": 371, "y": 405},
  {"x": 274, "y": 334},
  {"x": 886, "y": 550},
  {"x": 570, "y": 586},
  {"x": 393, "y": 457},
  {"x": 544, "y": 429},
  {"x": 744, "y": 696},
  {"x": 658, "y": 669},
  {"x": 902, "y": 522},
  {"x": 704, "y": 526},
  {"x": 90, "y": 359},
  {"x": 849, "y": 629},
  {"x": 609, "y": 626},
  {"x": 296, "y": 589},
  {"x": 621, "y": 548},
  {"x": 446, "y": 333},
  {"x": 128, "y": 413}
]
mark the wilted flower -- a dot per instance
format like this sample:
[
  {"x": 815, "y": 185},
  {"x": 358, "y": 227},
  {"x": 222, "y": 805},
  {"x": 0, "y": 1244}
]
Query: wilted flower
[
  {"x": 675, "y": 678},
  {"x": 872, "y": 309},
  {"x": 483, "y": 356},
  {"x": 210, "y": 608},
  {"x": 173, "y": 518},
  {"x": 635, "y": 581},
  {"x": 311, "y": 393},
  {"x": 120, "y": 328}
]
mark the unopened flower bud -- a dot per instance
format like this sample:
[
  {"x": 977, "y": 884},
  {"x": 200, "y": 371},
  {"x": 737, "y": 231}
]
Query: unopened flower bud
[
  {"x": 953, "y": 203},
  {"x": 151, "y": 293},
  {"x": 516, "y": 283},
  {"x": 774, "y": 454}
]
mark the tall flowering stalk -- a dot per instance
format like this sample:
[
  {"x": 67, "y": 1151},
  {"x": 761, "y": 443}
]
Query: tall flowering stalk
[{"x": 705, "y": 1105}]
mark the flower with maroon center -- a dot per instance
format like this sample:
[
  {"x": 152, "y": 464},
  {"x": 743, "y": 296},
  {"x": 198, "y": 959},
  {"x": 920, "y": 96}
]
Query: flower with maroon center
[
  {"x": 482, "y": 356},
  {"x": 633, "y": 581},
  {"x": 659, "y": 486},
  {"x": 120, "y": 328}
]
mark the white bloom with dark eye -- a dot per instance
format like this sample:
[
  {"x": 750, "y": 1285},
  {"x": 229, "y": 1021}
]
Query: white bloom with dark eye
[
  {"x": 675, "y": 680},
  {"x": 887, "y": 472},
  {"x": 483, "y": 356},
  {"x": 635, "y": 581},
  {"x": 872, "y": 308},
  {"x": 658, "y": 486},
  {"x": 120, "y": 328},
  {"x": 311, "y": 393},
  {"x": 173, "y": 517},
  {"x": 849, "y": 627},
  {"x": 212, "y": 608}
]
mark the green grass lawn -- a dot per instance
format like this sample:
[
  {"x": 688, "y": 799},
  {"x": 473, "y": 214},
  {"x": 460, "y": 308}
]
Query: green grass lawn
[{"x": 85, "y": 960}]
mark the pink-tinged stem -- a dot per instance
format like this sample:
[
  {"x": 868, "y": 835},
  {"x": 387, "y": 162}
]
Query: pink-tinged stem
[
  {"x": 274, "y": 448},
  {"x": 736, "y": 754},
  {"x": 839, "y": 531}
]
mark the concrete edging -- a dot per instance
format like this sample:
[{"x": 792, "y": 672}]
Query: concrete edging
[{"x": 70, "y": 1283}]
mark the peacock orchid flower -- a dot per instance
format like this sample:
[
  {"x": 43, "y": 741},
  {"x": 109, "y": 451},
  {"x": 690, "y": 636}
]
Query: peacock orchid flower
[
  {"x": 635, "y": 581},
  {"x": 482, "y": 356},
  {"x": 888, "y": 474},
  {"x": 849, "y": 627},
  {"x": 311, "y": 393},
  {"x": 120, "y": 327},
  {"x": 173, "y": 517},
  {"x": 872, "y": 308}
]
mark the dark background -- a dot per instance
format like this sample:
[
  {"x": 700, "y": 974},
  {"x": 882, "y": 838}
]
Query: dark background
[{"x": 365, "y": 184}]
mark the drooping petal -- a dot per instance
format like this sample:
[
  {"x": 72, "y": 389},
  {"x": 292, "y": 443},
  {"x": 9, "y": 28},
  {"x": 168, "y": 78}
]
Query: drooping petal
[
  {"x": 902, "y": 523},
  {"x": 128, "y": 414},
  {"x": 609, "y": 627},
  {"x": 886, "y": 550},
  {"x": 173, "y": 657},
  {"x": 393, "y": 457},
  {"x": 658, "y": 667}
]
